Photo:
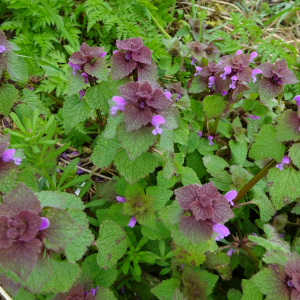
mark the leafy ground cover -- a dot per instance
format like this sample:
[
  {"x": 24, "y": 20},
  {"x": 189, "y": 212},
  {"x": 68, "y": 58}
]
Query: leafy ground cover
[{"x": 149, "y": 150}]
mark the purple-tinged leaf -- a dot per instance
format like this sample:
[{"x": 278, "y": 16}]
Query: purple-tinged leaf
[
  {"x": 130, "y": 44},
  {"x": 266, "y": 69},
  {"x": 244, "y": 75},
  {"x": 97, "y": 69},
  {"x": 76, "y": 292},
  {"x": 200, "y": 212},
  {"x": 77, "y": 58},
  {"x": 61, "y": 231},
  {"x": 129, "y": 91},
  {"x": 4, "y": 42},
  {"x": 197, "y": 85},
  {"x": 293, "y": 264},
  {"x": 9, "y": 285},
  {"x": 147, "y": 71},
  {"x": 221, "y": 85},
  {"x": 159, "y": 100},
  {"x": 222, "y": 210},
  {"x": 187, "y": 195},
  {"x": 142, "y": 55},
  {"x": 288, "y": 125},
  {"x": 120, "y": 66},
  {"x": 268, "y": 89},
  {"x": 21, "y": 257},
  {"x": 5, "y": 241},
  {"x": 32, "y": 222},
  {"x": 4, "y": 142}
]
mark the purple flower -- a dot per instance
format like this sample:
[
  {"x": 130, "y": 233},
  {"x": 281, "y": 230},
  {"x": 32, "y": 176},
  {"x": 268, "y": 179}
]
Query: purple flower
[
  {"x": 210, "y": 138},
  {"x": 253, "y": 233},
  {"x": 132, "y": 222},
  {"x": 103, "y": 54},
  {"x": 8, "y": 155},
  {"x": 2, "y": 49},
  {"x": 230, "y": 196},
  {"x": 193, "y": 61},
  {"x": 281, "y": 235},
  {"x": 230, "y": 252},
  {"x": 31, "y": 88},
  {"x": 239, "y": 52},
  {"x": 45, "y": 223},
  {"x": 120, "y": 104},
  {"x": 168, "y": 95},
  {"x": 211, "y": 81},
  {"x": 198, "y": 70},
  {"x": 199, "y": 134},
  {"x": 227, "y": 70},
  {"x": 115, "y": 51},
  {"x": 81, "y": 94},
  {"x": 224, "y": 93},
  {"x": 252, "y": 56},
  {"x": 79, "y": 171},
  {"x": 289, "y": 283},
  {"x": 254, "y": 72},
  {"x": 75, "y": 67},
  {"x": 121, "y": 199},
  {"x": 222, "y": 230},
  {"x": 253, "y": 117},
  {"x": 297, "y": 99},
  {"x": 233, "y": 82},
  {"x": 285, "y": 160},
  {"x": 93, "y": 291},
  {"x": 85, "y": 76},
  {"x": 156, "y": 121},
  {"x": 122, "y": 289}
]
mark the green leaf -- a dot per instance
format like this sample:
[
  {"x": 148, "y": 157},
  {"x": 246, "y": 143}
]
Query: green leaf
[
  {"x": 161, "y": 232},
  {"x": 178, "y": 295},
  {"x": 167, "y": 139},
  {"x": 181, "y": 133},
  {"x": 265, "y": 145},
  {"x": 166, "y": 289},
  {"x": 195, "y": 161},
  {"x": 214, "y": 164},
  {"x": 285, "y": 186},
  {"x": 288, "y": 127},
  {"x": 294, "y": 154},
  {"x": 221, "y": 262},
  {"x": 16, "y": 67},
  {"x": 239, "y": 151},
  {"x": 111, "y": 126},
  {"x": 104, "y": 151},
  {"x": 272, "y": 242},
  {"x": 63, "y": 276},
  {"x": 188, "y": 175},
  {"x": 276, "y": 257},
  {"x": 104, "y": 294},
  {"x": 97, "y": 69},
  {"x": 162, "y": 196},
  {"x": 234, "y": 294},
  {"x": 8, "y": 177},
  {"x": 205, "y": 149},
  {"x": 250, "y": 291},
  {"x": 78, "y": 246},
  {"x": 61, "y": 231},
  {"x": 75, "y": 84},
  {"x": 24, "y": 295},
  {"x": 33, "y": 102},
  {"x": 213, "y": 106},
  {"x": 168, "y": 164},
  {"x": 111, "y": 244},
  {"x": 73, "y": 106},
  {"x": 197, "y": 85},
  {"x": 135, "y": 142},
  {"x": 133, "y": 170},
  {"x": 164, "y": 182},
  {"x": 8, "y": 96},
  {"x": 266, "y": 208}
]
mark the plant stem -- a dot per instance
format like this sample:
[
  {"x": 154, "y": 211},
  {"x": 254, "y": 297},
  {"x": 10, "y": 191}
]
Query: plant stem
[
  {"x": 194, "y": 9},
  {"x": 57, "y": 100},
  {"x": 251, "y": 254},
  {"x": 49, "y": 180},
  {"x": 99, "y": 117},
  {"x": 158, "y": 25},
  {"x": 215, "y": 126},
  {"x": 135, "y": 75},
  {"x": 263, "y": 172}
]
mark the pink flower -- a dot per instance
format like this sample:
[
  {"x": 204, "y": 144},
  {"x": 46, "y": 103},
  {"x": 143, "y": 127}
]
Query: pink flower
[
  {"x": 103, "y": 54},
  {"x": 120, "y": 104},
  {"x": 252, "y": 56},
  {"x": 45, "y": 223},
  {"x": 239, "y": 52},
  {"x": 156, "y": 121},
  {"x": 2, "y": 49},
  {"x": 193, "y": 61},
  {"x": 211, "y": 81},
  {"x": 132, "y": 222},
  {"x": 210, "y": 138},
  {"x": 75, "y": 67},
  {"x": 227, "y": 70},
  {"x": 297, "y": 99},
  {"x": 198, "y": 70},
  {"x": 85, "y": 76},
  {"x": 81, "y": 94},
  {"x": 222, "y": 230},
  {"x": 8, "y": 155},
  {"x": 233, "y": 82},
  {"x": 121, "y": 199},
  {"x": 285, "y": 160},
  {"x": 230, "y": 196},
  {"x": 168, "y": 95},
  {"x": 224, "y": 93},
  {"x": 254, "y": 73}
]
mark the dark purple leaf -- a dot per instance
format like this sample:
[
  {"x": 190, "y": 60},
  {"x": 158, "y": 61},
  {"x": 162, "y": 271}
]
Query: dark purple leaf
[
  {"x": 266, "y": 69},
  {"x": 132, "y": 44},
  {"x": 142, "y": 55},
  {"x": 77, "y": 58},
  {"x": 244, "y": 75},
  {"x": 76, "y": 292},
  {"x": 9, "y": 285},
  {"x": 222, "y": 210},
  {"x": 221, "y": 85},
  {"x": 5, "y": 241},
  {"x": 97, "y": 69},
  {"x": 186, "y": 195},
  {"x": 32, "y": 224},
  {"x": 268, "y": 89},
  {"x": 129, "y": 91},
  {"x": 4, "y": 141},
  {"x": 200, "y": 212},
  {"x": 159, "y": 100},
  {"x": 147, "y": 71},
  {"x": 120, "y": 66}
]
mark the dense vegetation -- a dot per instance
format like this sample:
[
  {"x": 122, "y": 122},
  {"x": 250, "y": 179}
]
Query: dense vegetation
[{"x": 149, "y": 150}]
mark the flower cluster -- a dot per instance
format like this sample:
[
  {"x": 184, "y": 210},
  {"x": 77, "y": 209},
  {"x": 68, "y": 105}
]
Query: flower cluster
[
  {"x": 205, "y": 210},
  {"x": 132, "y": 55},
  {"x": 143, "y": 103}
]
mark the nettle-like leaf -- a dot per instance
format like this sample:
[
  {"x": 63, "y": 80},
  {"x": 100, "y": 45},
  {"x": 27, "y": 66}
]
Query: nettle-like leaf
[
  {"x": 276, "y": 257},
  {"x": 239, "y": 151},
  {"x": 197, "y": 85},
  {"x": 272, "y": 242},
  {"x": 133, "y": 170},
  {"x": 294, "y": 154},
  {"x": 166, "y": 289},
  {"x": 285, "y": 186},
  {"x": 33, "y": 102},
  {"x": 213, "y": 106},
  {"x": 16, "y": 67},
  {"x": 265, "y": 145},
  {"x": 8, "y": 96},
  {"x": 111, "y": 244},
  {"x": 139, "y": 205},
  {"x": 98, "y": 69},
  {"x": 135, "y": 142},
  {"x": 221, "y": 262},
  {"x": 75, "y": 83},
  {"x": 250, "y": 292},
  {"x": 288, "y": 127}
]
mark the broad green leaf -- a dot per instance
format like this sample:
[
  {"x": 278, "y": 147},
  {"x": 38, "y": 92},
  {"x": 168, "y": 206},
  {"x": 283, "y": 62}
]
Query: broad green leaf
[
  {"x": 24, "y": 295},
  {"x": 111, "y": 126},
  {"x": 16, "y": 67},
  {"x": 214, "y": 164},
  {"x": 250, "y": 291},
  {"x": 161, "y": 232},
  {"x": 111, "y": 244},
  {"x": 197, "y": 85},
  {"x": 135, "y": 142},
  {"x": 181, "y": 133},
  {"x": 285, "y": 186},
  {"x": 31, "y": 99},
  {"x": 78, "y": 246},
  {"x": 294, "y": 154},
  {"x": 178, "y": 295},
  {"x": 167, "y": 139},
  {"x": 197, "y": 108},
  {"x": 234, "y": 294},
  {"x": 266, "y": 208},
  {"x": 166, "y": 289},
  {"x": 133, "y": 170},
  {"x": 75, "y": 84},
  {"x": 221, "y": 262},
  {"x": 272, "y": 241},
  {"x": 8, "y": 96},
  {"x": 104, "y": 293},
  {"x": 239, "y": 151},
  {"x": 188, "y": 175},
  {"x": 163, "y": 182},
  {"x": 104, "y": 151},
  {"x": 63, "y": 276},
  {"x": 265, "y": 145},
  {"x": 97, "y": 69},
  {"x": 276, "y": 257},
  {"x": 195, "y": 161},
  {"x": 204, "y": 148},
  {"x": 213, "y": 106},
  {"x": 74, "y": 112},
  {"x": 168, "y": 163},
  {"x": 162, "y": 196}
]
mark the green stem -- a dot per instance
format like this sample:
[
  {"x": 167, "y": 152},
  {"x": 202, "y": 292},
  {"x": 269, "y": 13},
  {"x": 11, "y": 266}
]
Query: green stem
[
  {"x": 60, "y": 25},
  {"x": 251, "y": 254},
  {"x": 294, "y": 240},
  {"x": 194, "y": 9},
  {"x": 262, "y": 173},
  {"x": 57, "y": 100},
  {"x": 49, "y": 180},
  {"x": 158, "y": 25},
  {"x": 215, "y": 126},
  {"x": 99, "y": 117}
]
